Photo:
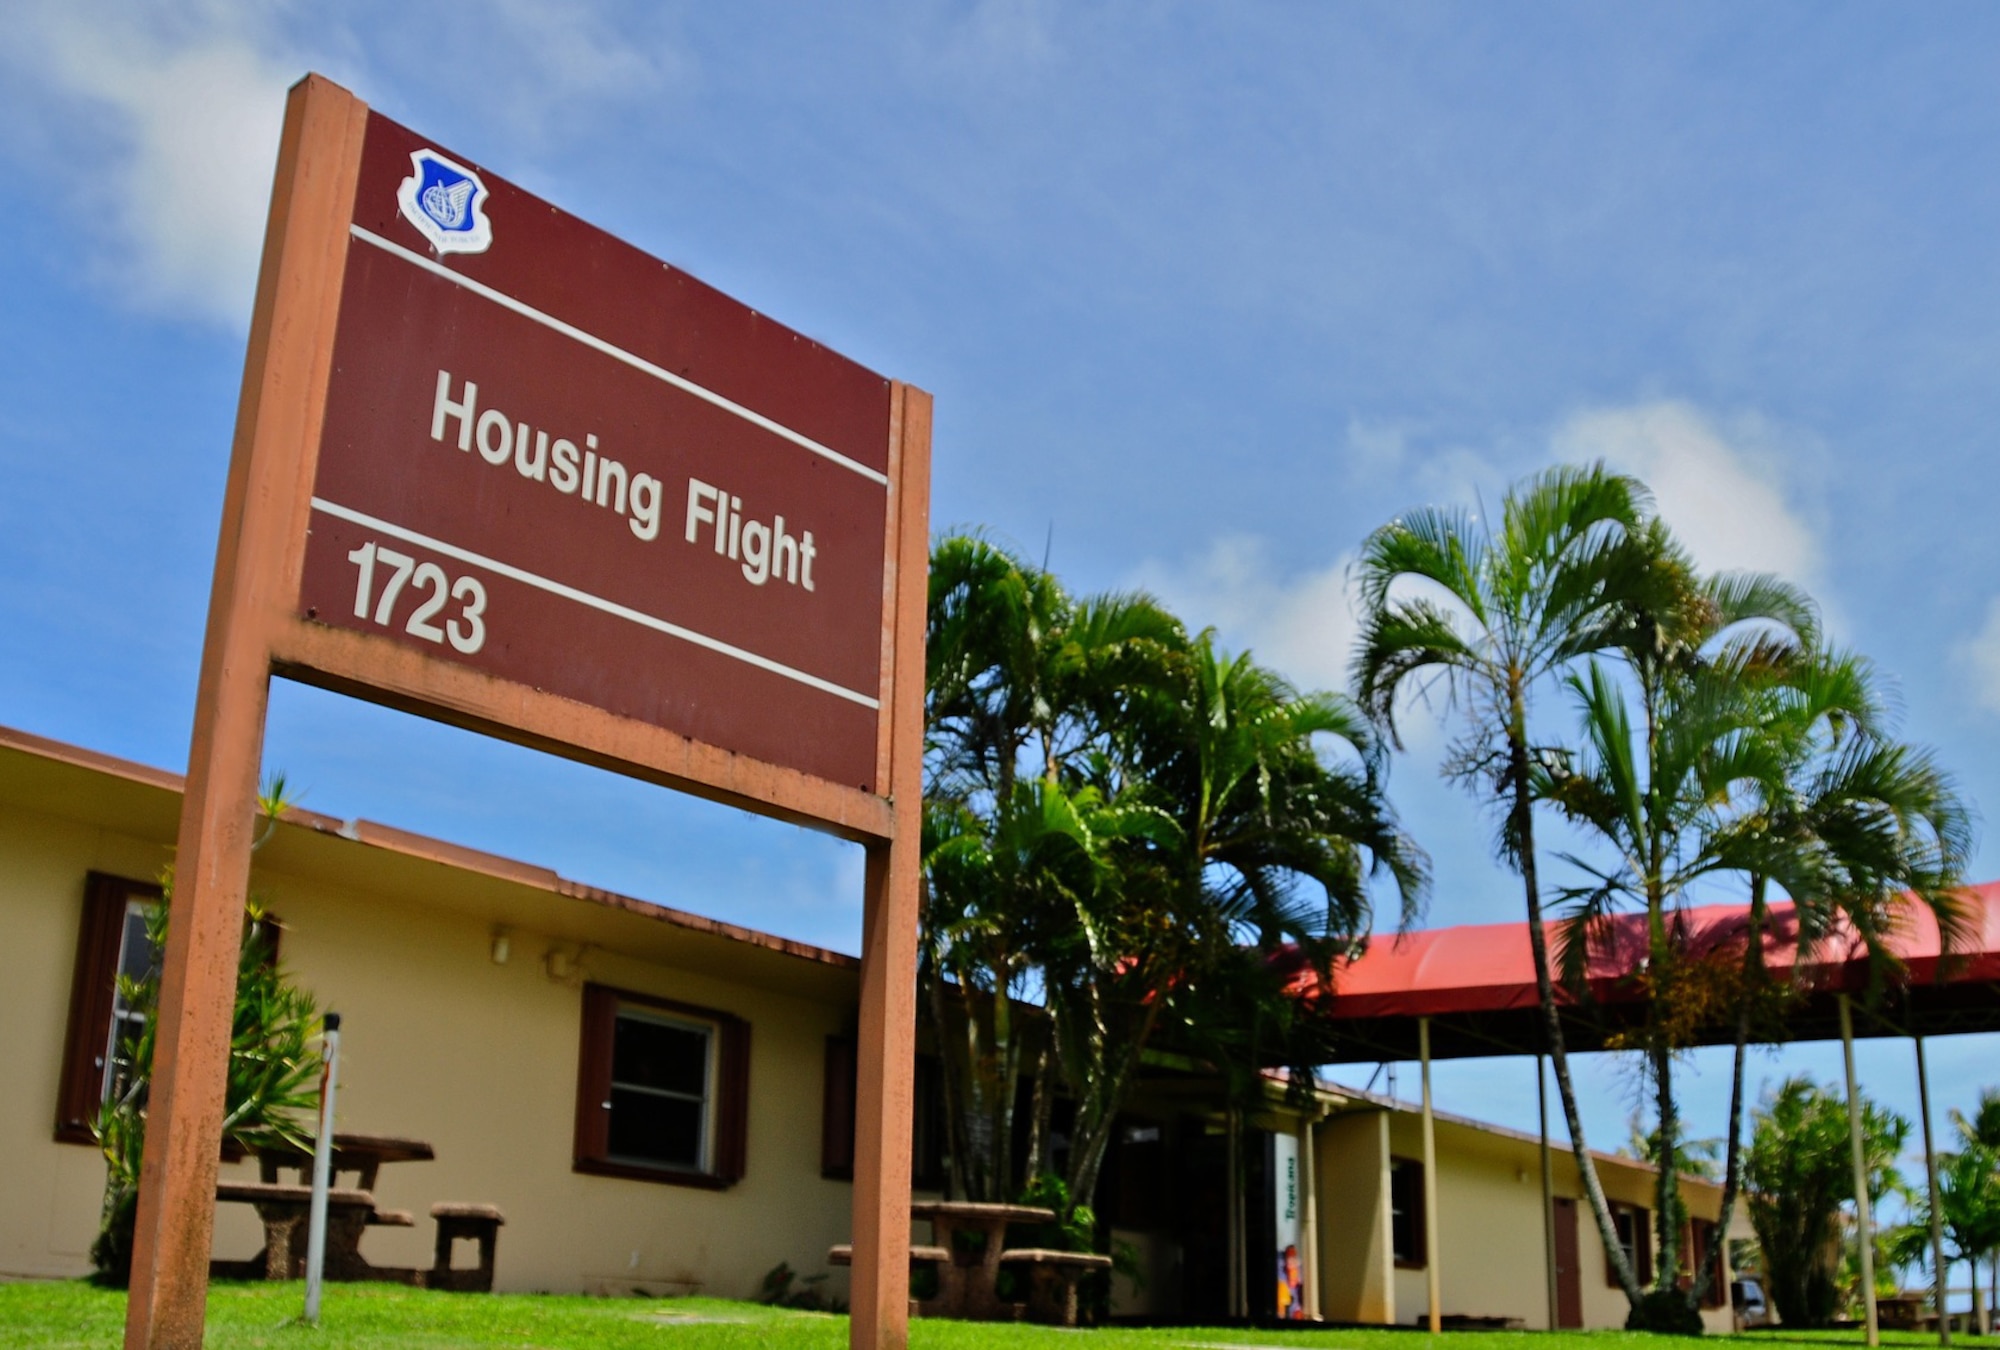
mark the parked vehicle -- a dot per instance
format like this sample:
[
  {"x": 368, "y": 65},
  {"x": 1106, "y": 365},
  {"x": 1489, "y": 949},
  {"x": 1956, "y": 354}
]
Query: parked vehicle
[{"x": 1748, "y": 1306}]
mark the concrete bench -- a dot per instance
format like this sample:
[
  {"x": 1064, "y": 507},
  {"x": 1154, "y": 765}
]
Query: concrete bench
[
  {"x": 478, "y": 1223},
  {"x": 1053, "y": 1277},
  {"x": 283, "y": 1210},
  {"x": 842, "y": 1254}
]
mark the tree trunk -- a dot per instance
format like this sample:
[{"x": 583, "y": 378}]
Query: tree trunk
[
  {"x": 1038, "y": 1118},
  {"x": 954, "y": 1082},
  {"x": 1732, "y": 1153},
  {"x": 1097, "y": 1107},
  {"x": 1667, "y": 1191},
  {"x": 1538, "y": 944}
]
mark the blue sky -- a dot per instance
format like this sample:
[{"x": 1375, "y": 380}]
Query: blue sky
[{"x": 1204, "y": 293}]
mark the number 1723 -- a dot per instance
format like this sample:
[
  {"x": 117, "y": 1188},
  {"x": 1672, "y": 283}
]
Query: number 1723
[{"x": 465, "y": 630}]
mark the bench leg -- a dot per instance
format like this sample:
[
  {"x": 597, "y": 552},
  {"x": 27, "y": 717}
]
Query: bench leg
[
  {"x": 1053, "y": 1295},
  {"x": 284, "y": 1240},
  {"x": 476, "y": 1281}
]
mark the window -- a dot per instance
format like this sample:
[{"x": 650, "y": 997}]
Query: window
[
  {"x": 111, "y": 941},
  {"x": 1406, "y": 1212},
  {"x": 1635, "y": 1239},
  {"x": 662, "y": 1090},
  {"x": 928, "y": 1159},
  {"x": 1694, "y": 1237}
]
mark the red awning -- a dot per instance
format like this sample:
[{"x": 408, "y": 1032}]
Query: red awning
[{"x": 1477, "y": 982}]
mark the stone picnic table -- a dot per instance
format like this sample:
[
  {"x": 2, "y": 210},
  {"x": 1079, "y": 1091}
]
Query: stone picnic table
[
  {"x": 362, "y": 1154},
  {"x": 351, "y": 1211},
  {"x": 973, "y": 1236},
  {"x": 968, "y": 1247}
]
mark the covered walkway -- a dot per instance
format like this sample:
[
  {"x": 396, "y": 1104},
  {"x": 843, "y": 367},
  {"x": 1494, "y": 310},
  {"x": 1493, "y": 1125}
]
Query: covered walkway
[{"x": 1469, "y": 991}]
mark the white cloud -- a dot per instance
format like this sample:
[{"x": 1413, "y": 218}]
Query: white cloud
[
  {"x": 572, "y": 50},
  {"x": 1980, "y": 656},
  {"x": 158, "y": 123},
  {"x": 1724, "y": 490},
  {"x": 174, "y": 190},
  {"x": 1302, "y": 625}
]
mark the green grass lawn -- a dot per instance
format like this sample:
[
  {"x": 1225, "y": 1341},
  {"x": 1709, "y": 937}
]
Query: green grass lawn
[{"x": 71, "y": 1314}]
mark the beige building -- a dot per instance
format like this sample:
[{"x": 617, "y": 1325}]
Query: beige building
[
  {"x": 483, "y": 1000},
  {"x": 467, "y": 984}
]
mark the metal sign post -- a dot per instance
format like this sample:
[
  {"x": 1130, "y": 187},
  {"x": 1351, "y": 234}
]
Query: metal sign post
[
  {"x": 498, "y": 468},
  {"x": 329, "y": 1065}
]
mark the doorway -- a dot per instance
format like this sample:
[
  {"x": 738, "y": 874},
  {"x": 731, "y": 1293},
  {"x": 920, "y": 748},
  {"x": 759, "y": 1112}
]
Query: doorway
[{"x": 1569, "y": 1282}]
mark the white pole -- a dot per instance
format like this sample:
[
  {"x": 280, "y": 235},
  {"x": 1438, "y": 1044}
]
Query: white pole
[
  {"x": 1938, "y": 1265},
  {"x": 322, "y": 1171},
  {"x": 1436, "y": 1312},
  {"x": 1863, "y": 1221}
]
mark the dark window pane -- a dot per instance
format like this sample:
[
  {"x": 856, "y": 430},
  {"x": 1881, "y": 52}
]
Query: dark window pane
[
  {"x": 646, "y": 1053},
  {"x": 1405, "y": 1196},
  {"x": 135, "y": 956},
  {"x": 664, "y": 1130}
]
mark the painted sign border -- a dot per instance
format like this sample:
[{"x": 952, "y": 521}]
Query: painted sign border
[{"x": 253, "y": 634}]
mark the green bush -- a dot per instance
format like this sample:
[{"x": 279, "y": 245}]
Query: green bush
[{"x": 273, "y": 1077}]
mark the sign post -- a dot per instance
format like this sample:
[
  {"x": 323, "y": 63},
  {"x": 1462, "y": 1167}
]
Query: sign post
[{"x": 495, "y": 467}]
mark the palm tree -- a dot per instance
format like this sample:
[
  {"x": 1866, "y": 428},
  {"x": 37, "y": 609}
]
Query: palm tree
[
  {"x": 1667, "y": 756},
  {"x": 1981, "y": 1132},
  {"x": 1016, "y": 668},
  {"x": 1969, "y": 1208},
  {"x": 1277, "y": 823},
  {"x": 1006, "y": 889},
  {"x": 1853, "y": 826},
  {"x": 1799, "y": 1172},
  {"x": 1491, "y": 616}
]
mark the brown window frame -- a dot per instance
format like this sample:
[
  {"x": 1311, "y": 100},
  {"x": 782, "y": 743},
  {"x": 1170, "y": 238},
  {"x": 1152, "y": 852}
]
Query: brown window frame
[
  {"x": 731, "y": 1108},
  {"x": 93, "y": 991},
  {"x": 1692, "y": 1236},
  {"x": 1418, "y": 1237},
  {"x": 840, "y": 1095},
  {"x": 1641, "y": 1220},
  {"x": 837, "y": 1103}
]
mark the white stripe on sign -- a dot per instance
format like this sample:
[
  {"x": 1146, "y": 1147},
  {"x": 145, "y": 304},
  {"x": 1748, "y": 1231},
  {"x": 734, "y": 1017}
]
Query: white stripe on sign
[
  {"x": 616, "y": 353},
  {"x": 595, "y": 602}
]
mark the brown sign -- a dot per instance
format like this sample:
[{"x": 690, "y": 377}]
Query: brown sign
[
  {"x": 565, "y": 463},
  {"x": 497, "y": 468}
]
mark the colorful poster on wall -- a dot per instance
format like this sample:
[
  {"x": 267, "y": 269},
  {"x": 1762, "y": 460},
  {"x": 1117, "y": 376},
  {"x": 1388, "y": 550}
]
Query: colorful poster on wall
[{"x": 1291, "y": 1304}]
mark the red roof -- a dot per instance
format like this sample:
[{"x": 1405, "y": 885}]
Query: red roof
[{"x": 1475, "y": 976}]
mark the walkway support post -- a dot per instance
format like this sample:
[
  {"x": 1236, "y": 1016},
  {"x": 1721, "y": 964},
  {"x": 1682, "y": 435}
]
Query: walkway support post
[
  {"x": 1864, "y": 1224},
  {"x": 1430, "y": 1181},
  {"x": 1548, "y": 1193},
  {"x": 1942, "y": 1286}
]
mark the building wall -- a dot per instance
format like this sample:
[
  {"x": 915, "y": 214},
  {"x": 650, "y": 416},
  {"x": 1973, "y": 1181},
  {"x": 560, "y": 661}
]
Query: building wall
[
  {"x": 1352, "y": 1177},
  {"x": 440, "y": 1043},
  {"x": 1491, "y": 1253},
  {"x": 49, "y": 1192}
]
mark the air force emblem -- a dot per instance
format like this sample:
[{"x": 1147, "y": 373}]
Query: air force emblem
[{"x": 447, "y": 204}]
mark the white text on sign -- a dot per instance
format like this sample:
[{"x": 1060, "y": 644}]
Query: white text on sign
[
  {"x": 465, "y": 630},
  {"x": 767, "y": 552},
  {"x": 585, "y": 474}
]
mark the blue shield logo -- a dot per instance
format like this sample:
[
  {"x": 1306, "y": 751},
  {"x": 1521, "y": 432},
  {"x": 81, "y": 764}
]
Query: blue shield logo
[{"x": 447, "y": 203}]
